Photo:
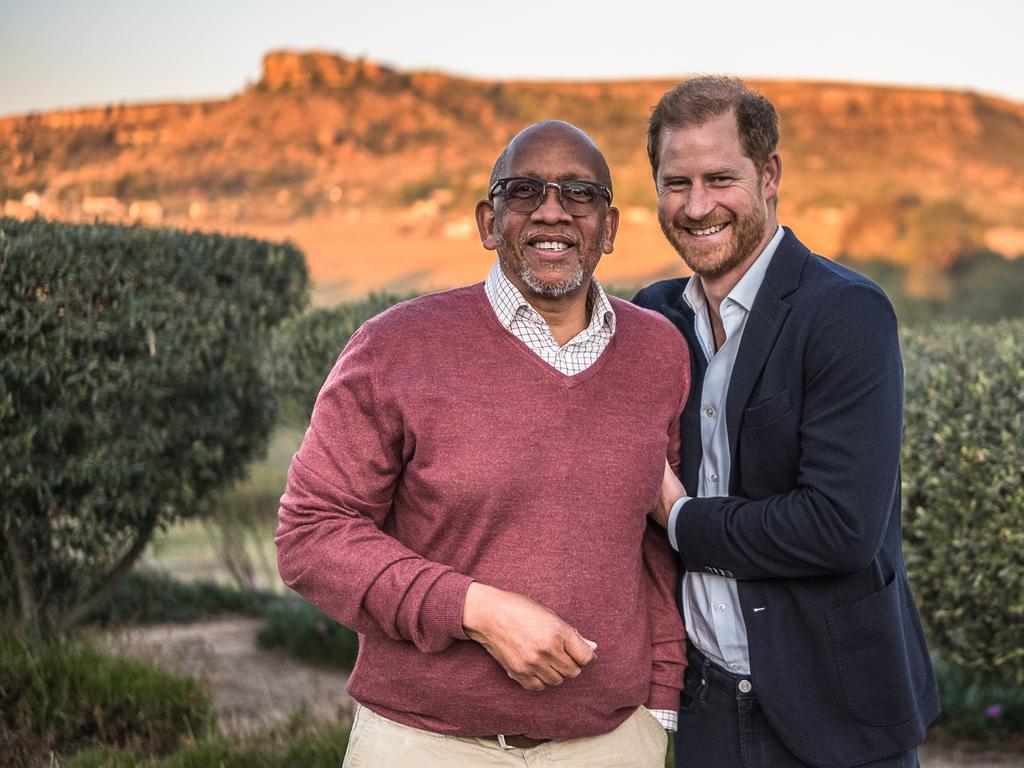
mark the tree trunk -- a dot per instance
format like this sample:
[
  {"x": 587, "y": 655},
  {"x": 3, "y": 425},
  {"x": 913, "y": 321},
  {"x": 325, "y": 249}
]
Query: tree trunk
[
  {"x": 80, "y": 611},
  {"x": 28, "y": 607}
]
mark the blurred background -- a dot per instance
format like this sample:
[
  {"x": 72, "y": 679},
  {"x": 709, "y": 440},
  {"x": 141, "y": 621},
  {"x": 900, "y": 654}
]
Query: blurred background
[{"x": 364, "y": 133}]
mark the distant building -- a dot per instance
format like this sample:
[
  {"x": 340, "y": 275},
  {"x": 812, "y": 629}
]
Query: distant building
[
  {"x": 106, "y": 208},
  {"x": 147, "y": 212}
]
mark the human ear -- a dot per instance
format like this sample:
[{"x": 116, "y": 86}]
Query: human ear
[
  {"x": 772, "y": 176},
  {"x": 485, "y": 223},
  {"x": 611, "y": 226}
]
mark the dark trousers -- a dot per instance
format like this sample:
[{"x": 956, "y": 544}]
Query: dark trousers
[{"x": 722, "y": 725}]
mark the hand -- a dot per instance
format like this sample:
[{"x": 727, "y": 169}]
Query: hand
[
  {"x": 671, "y": 491},
  {"x": 534, "y": 646}
]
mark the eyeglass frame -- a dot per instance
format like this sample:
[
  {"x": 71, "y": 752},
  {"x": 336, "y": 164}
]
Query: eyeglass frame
[{"x": 606, "y": 192}]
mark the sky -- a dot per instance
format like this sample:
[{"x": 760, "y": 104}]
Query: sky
[{"x": 66, "y": 53}]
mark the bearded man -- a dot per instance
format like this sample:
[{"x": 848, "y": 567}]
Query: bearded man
[
  {"x": 805, "y": 647},
  {"x": 472, "y": 496}
]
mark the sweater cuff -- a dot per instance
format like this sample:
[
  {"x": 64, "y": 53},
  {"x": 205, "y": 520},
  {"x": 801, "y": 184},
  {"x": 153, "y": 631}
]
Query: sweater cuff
[
  {"x": 442, "y": 607},
  {"x": 663, "y": 697}
]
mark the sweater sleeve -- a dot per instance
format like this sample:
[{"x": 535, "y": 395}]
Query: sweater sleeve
[
  {"x": 668, "y": 638},
  {"x": 330, "y": 544}
]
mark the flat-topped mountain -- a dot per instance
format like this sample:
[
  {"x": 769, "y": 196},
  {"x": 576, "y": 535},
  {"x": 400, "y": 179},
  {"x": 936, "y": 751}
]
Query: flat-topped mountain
[{"x": 374, "y": 171}]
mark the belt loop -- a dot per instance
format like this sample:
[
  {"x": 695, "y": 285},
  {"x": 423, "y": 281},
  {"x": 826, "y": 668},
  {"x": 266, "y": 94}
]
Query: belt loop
[{"x": 501, "y": 742}]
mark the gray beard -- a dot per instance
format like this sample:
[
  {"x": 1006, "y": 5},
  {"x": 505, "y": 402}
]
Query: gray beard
[{"x": 553, "y": 290}]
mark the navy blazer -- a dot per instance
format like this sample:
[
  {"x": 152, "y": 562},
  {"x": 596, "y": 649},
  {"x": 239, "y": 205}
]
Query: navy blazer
[{"x": 811, "y": 530}]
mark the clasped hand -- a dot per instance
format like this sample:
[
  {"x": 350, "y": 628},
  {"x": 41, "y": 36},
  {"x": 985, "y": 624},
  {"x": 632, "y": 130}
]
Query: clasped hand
[{"x": 535, "y": 646}]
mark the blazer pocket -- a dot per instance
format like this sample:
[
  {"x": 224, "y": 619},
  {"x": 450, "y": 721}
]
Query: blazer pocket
[
  {"x": 880, "y": 669},
  {"x": 766, "y": 411}
]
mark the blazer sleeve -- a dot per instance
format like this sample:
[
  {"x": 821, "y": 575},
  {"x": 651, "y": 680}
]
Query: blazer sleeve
[{"x": 847, "y": 484}]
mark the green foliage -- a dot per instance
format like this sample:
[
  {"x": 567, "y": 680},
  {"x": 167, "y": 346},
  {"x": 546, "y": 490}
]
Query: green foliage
[
  {"x": 308, "y": 748},
  {"x": 145, "y": 597},
  {"x": 984, "y": 287},
  {"x": 309, "y": 634},
  {"x": 133, "y": 384},
  {"x": 305, "y": 348},
  {"x": 150, "y": 597},
  {"x": 67, "y": 695},
  {"x": 977, "y": 709},
  {"x": 963, "y": 488}
]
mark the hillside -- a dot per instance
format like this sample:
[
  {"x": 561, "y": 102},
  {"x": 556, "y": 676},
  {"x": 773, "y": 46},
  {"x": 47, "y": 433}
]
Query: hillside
[{"x": 374, "y": 171}]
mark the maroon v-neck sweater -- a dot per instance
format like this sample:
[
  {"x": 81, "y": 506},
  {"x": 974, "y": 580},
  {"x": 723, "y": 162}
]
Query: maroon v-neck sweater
[{"x": 442, "y": 451}]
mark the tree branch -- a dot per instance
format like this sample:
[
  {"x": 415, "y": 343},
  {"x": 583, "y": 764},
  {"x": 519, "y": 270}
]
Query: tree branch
[{"x": 83, "y": 608}]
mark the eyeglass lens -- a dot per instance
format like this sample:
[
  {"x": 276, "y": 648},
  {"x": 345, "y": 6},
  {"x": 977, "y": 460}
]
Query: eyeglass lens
[{"x": 525, "y": 195}]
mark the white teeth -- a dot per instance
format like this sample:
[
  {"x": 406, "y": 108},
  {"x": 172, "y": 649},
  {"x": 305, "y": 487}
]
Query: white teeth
[
  {"x": 708, "y": 231},
  {"x": 551, "y": 245}
]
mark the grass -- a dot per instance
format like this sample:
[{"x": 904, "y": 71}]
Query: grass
[
  {"x": 64, "y": 695},
  {"x": 307, "y": 747}
]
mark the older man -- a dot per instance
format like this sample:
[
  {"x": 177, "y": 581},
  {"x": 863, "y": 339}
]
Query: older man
[
  {"x": 805, "y": 645},
  {"x": 471, "y": 496}
]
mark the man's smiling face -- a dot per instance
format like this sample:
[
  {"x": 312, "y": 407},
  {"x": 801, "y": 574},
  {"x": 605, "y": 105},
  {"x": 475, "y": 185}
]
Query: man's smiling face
[
  {"x": 550, "y": 253},
  {"x": 713, "y": 202}
]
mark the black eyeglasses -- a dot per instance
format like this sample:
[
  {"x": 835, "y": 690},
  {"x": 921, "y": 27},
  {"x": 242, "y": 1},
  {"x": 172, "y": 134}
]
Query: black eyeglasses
[{"x": 524, "y": 194}]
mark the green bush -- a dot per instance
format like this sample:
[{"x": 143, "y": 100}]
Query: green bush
[
  {"x": 68, "y": 695},
  {"x": 309, "y": 634},
  {"x": 152, "y": 597},
  {"x": 133, "y": 384},
  {"x": 305, "y": 348},
  {"x": 963, "y": 490},
  {"x": 977, "y": 709}
]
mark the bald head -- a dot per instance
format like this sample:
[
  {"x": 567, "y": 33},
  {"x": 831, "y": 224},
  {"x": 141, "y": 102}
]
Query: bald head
[{"x": 550, "y": 132}]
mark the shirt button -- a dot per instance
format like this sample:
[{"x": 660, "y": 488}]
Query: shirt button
[
  {"x": 745, "y": 686},
  {"x": 713, "y": 477},
  {"x": 720, "y": 607},
  {"x": 709, "y": 411},
  {"x": 735, "y": 667}
]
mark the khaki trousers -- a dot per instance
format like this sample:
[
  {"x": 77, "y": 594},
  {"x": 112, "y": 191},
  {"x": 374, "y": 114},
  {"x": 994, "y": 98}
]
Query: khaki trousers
[{"x": 376, "y": 742}]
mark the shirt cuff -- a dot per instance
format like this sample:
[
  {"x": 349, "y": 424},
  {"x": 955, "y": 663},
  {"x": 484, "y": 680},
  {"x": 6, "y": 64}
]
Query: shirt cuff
[
  {"x": 668, "y": 718},
  {"x": 672, "y": 516}
]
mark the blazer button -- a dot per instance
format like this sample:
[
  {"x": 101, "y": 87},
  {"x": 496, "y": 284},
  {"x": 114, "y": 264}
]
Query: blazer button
[{"x": 745, "y": 686}]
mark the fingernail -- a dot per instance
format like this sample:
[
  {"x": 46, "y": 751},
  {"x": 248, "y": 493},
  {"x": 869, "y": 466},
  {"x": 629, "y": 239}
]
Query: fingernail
[{"x": 591, "y": 643}]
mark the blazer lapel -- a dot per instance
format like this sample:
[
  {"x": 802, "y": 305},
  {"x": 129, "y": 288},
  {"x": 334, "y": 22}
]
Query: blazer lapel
[
  {"x": 680, "y": 314},
  {"x": 766, "y": 320}
]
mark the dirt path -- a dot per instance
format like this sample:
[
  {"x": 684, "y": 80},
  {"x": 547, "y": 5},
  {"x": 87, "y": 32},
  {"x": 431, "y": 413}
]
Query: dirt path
[{"x": 254, "y": 688}]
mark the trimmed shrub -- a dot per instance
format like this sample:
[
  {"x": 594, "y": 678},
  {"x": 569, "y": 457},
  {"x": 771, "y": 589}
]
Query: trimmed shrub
[
  {"x": 132, "y": 385},
  {"x": 978, "y": 709},
  {"x": 305, "y": 348},
  {"x": 963, "y": 490},
  {"x": 69, "y": 695},
  {"x": 309, "y": 634}
]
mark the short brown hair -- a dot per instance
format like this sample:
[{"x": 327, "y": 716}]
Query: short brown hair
[{"x": 701, "y": 99}]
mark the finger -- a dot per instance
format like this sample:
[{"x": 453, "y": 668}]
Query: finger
[
  {"x": 549, "y": 676},
  {"x": 566, "y": 666},
  {"x": 529, "y": 682},
  {"x": 580, "y": 649}
]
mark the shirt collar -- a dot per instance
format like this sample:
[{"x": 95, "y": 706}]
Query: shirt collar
[
  {"x": 509, "y": 303},
  {"x": 745, "y": 291}
]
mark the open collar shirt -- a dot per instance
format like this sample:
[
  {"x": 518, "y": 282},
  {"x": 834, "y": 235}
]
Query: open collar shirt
[{"x": 711, "y": 605}]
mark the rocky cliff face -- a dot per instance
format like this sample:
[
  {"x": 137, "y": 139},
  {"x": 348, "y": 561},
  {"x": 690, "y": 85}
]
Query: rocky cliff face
[{"x": 866, "y": 168}]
